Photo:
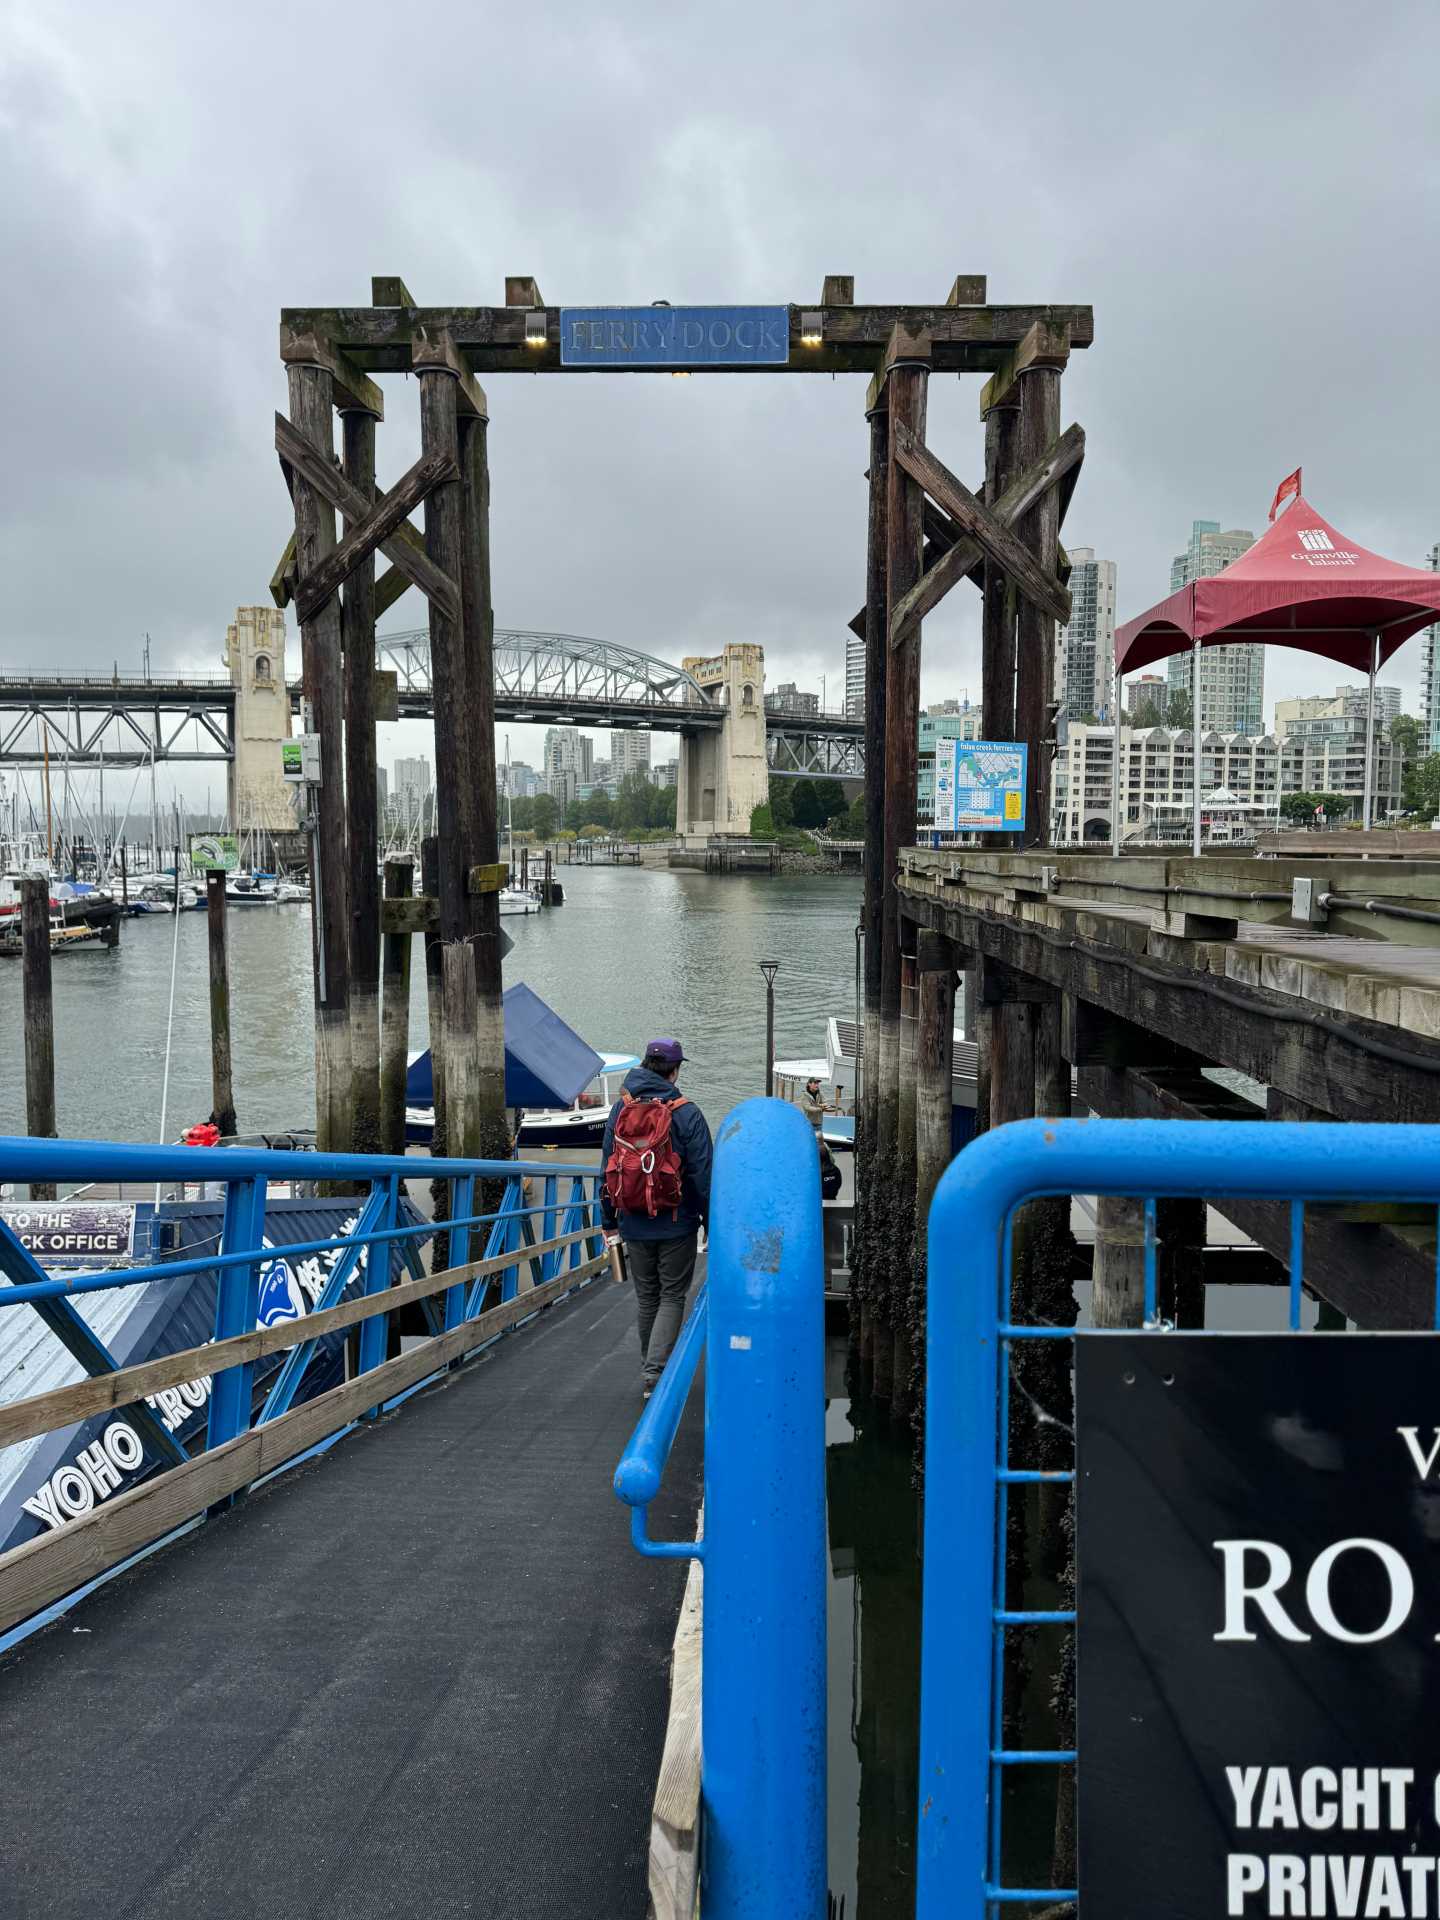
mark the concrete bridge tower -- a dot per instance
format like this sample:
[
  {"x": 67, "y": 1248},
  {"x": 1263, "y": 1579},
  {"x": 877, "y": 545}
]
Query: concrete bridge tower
[
  {"x": 723, "y": 776},
  {"x": 255, "y": 655}
]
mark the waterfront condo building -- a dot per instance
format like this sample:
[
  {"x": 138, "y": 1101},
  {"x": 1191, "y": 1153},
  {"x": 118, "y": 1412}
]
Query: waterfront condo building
[
  {"x": 1243, "y": 778},
  {"x": 1085, "y": 649},
  {"x": 1232, "y": 679}
]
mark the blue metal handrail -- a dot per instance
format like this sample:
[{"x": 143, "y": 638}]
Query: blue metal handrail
[
  {"x": 970, "y": 1329},
  {"x": 236, "y": 1264},
  {"x": 761, "y": 1319}
]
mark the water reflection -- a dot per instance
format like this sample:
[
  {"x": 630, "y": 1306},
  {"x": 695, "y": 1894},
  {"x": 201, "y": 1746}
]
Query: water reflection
[{"x": 874, "y": 1654}]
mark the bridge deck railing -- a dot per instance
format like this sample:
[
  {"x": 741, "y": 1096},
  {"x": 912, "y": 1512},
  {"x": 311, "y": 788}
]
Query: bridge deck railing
[
  {"x": 759, "y": 1325},
  {"x": 135, "y": 1482}
]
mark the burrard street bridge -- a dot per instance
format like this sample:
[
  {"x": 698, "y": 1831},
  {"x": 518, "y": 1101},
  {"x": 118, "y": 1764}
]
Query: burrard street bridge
[{"x": 730, "y": 741}]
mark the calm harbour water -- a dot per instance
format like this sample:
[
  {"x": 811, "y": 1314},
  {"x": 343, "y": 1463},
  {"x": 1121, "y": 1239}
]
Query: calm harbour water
[{"x": 633, "y": 953}]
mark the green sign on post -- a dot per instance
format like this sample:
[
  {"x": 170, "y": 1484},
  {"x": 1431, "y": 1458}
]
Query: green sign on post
[{"x": 209, "y": 850}]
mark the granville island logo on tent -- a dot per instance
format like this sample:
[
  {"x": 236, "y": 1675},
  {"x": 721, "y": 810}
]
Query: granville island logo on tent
[
  {"x": 280, "y": 1297},
  {"x": 1321, "y": 551}
]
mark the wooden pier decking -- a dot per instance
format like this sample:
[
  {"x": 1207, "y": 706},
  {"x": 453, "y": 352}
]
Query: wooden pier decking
[{"x": 1158, "y": 972}]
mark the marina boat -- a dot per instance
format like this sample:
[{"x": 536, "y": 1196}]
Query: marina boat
[
  {"x": 517, "y": 900},
  {"x": 548, "y": 1068},
  {"x": 290, "y": 893},
  {"x": 73, "y": 903},
  {"x": 251, "y": 890},
  {"x": 582, "y": 1125},
  {"x": 63, "y": 938}
]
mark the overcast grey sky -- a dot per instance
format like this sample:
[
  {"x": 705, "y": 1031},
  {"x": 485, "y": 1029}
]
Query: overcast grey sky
[{"x": 1247, "y": 194}]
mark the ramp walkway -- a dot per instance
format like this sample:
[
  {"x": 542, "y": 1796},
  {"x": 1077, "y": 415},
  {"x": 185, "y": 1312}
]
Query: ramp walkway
[{"x": 424, "y": 1674}]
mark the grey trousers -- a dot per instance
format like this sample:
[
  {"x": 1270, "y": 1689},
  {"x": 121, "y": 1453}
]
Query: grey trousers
[{"x": 661, "y": 1271}]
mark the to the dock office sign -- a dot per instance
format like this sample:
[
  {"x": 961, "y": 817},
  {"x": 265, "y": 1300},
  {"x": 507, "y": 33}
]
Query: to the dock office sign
[
  {"x": 61, "y": 1231},
  {"x": 1259, "y": 1640}
]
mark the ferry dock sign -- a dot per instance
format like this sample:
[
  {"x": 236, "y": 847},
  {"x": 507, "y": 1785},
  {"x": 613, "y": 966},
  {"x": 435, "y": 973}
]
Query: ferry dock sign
[{"x": 674, "y": 339}]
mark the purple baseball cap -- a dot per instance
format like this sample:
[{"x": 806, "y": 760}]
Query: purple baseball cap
[{"x": 669, "y": 1051}]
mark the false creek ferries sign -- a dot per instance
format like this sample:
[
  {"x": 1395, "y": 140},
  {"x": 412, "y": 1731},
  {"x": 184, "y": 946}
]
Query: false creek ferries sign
[
  {"x": 676, "y": 338},
  {"x": 1258, "y": 1552},
  {"x": 69, "y": 1230}
]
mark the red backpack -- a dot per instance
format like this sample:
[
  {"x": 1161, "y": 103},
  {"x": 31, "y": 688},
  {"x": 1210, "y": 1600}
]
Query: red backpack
[{"x": 643, "y": 1173}]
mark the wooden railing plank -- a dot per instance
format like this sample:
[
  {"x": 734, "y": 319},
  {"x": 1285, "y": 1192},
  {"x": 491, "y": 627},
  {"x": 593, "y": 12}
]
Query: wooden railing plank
[
  {"x": 45, "y": 1570},
  {"x": 106, "y": 1392}
]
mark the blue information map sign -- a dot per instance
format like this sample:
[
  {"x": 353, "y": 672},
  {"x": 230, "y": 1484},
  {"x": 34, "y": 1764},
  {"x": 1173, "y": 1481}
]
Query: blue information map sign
[
  {"x": 674, "y": 338},
  {"x": 980, "y": 786}
]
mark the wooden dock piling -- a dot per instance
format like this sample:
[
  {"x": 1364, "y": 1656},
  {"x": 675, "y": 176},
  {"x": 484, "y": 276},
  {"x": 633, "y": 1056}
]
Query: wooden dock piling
[
  {"x": 357, "y": 624},
  {"x": 222, "y": 1090},
  {"x": 39, "y": 1017},
  {"x": 311, "y": 397},
  {"x": 395, "y": 1011}
]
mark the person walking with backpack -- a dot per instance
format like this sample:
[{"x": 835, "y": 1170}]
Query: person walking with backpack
[{"x": 656, "y": 1196}]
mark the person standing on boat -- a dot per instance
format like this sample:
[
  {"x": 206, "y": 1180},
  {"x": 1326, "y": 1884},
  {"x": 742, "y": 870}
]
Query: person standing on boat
[
  {"x": 656, "y": 1196},
  {"x": 814, "y": 1105}
]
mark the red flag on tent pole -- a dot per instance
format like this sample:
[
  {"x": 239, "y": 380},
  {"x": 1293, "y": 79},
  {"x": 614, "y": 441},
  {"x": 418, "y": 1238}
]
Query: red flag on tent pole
[{"x": 1283, "y": 492}]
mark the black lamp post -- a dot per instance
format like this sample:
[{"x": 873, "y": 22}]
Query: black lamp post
[{"x": 769, "y": 968}]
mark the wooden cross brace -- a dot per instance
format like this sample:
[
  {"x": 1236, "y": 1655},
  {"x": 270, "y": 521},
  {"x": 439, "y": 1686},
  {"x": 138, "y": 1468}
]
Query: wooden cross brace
[
  {"x": 951, "y": 553},
  {"x": 408, "y": 554},
  {"x": 985, "y": 530}
]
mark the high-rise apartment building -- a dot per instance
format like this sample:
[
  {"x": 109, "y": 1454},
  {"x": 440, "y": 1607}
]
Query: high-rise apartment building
[
  {"x": 1430, "y": 675},
  {"x": 1146, "y": 690},
  {"x": 412, "y": 777},
  {"x": 1232, "y": 679},
  {"x": 567, "y": 750},
  {"x": 629, "y": 753},
  {"x": 787, "y": 698},
  {"x": 855, "y": 676},
  {"x": 382, "y": 790},
  {"x": 1085, "y": 649}
]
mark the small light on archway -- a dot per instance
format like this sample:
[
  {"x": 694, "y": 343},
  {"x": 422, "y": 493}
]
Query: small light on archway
[{"x": 812, "y": 329}]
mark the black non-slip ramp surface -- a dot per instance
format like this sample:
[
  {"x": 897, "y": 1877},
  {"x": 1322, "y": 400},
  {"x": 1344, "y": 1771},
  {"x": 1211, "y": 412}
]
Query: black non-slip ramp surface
[{"x": 425, "y": 1674}]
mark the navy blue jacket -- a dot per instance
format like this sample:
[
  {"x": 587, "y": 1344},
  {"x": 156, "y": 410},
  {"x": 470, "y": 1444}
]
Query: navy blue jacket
[{"x": 691, "y": 1136}]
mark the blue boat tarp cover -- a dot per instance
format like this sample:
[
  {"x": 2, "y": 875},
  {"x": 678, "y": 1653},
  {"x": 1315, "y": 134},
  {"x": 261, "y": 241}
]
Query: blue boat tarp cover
[{"x": 547, "y": 1064}]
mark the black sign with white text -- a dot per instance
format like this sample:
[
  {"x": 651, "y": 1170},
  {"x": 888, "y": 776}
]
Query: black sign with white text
[{"x": 1259, "y": 1625}]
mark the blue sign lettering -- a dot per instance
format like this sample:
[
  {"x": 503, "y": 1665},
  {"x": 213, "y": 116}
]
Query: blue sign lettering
[{"x": 674, "y": 338}]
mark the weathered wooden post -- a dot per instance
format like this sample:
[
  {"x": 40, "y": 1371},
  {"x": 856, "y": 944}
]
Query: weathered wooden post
[
  {"x": 907, "y": 1288},
  {"x": 435, "y": 1019},
  {"x": 934, "y": 1072},
  {"x": 357, "y": 622},
  {"x": 39, "y": 1017},
  {"x": 395, "y": 1012},
  {"x": 905, "y": 380},
  {"x": 311, "y": 398},
  {"x": 876, "y": 659},
  {"x": 222, "y": 1090},
  {"x": 485, "y": 875},
  {"x": 1118, "y": 1293},
  {"x": 1045, "y": 350}
]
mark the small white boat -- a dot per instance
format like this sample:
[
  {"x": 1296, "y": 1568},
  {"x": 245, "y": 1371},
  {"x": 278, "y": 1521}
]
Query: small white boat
[
  {"x": 250, "y": 890},
  {"x": 292, "y": 893},
  {"x": 517, "y": 900}
]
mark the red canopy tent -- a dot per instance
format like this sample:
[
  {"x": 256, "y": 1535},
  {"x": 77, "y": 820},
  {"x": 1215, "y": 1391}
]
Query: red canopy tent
[{"x": 1303, "y": 584}]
